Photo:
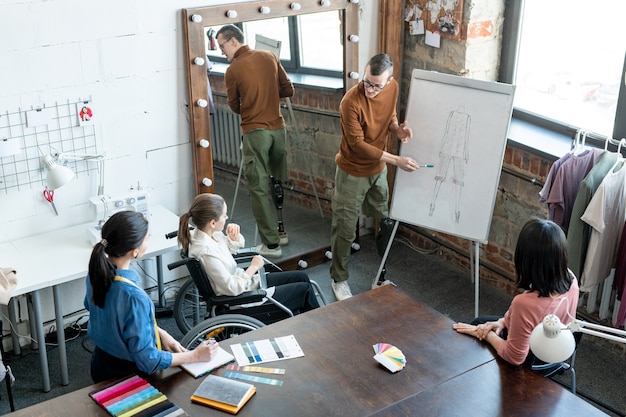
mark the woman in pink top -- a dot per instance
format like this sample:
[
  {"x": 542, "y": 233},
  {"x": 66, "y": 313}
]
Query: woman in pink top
[{"x": 541, "y": 270}]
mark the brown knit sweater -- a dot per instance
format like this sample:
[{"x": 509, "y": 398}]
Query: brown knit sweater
[
  {"x": 255, "y": 83},
  {"x": 365, "y": 128}
]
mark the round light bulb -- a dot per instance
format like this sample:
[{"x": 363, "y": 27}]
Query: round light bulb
[
  {"x": 354, "y": 75},
  {"x": 328, "y": 254},
  {"x": 202, "y": 102},
  {"x": 231, "y": 13},
  {"x": 198, "y": 60},
  {"x": 203, "y": 143},
  {"x": 325, "y": 3},
  {"x": 207, "y": 182},
  {"x": 295, "y": 6},
  {"x": 196, "y": 18},
  {"x": 303, "y": 264},
  {"x": 264, "y": 10},
  {"x": 353, "y": 38},
  {"x": 356, "y": 246},
  {"x": 354, "y": 1}
]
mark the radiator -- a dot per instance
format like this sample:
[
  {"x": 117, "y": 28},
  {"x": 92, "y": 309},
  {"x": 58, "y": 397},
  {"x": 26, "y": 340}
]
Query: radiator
[{"x": 226, "y": 134}]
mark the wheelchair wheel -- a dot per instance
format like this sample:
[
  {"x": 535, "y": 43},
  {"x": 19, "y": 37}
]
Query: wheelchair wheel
[
  {"x": 221, "y": 328},
  {"x": 189, "y": 307}
]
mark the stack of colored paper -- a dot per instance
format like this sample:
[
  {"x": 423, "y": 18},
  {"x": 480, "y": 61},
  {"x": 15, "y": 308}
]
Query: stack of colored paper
[
  {"x": 132, "y": 396},
  {"x": 389, "y": 356}
]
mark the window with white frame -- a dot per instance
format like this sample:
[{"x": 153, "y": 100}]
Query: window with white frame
[
  {"x": 569, "y": 64},
  {"x": 310, "y": 43}
]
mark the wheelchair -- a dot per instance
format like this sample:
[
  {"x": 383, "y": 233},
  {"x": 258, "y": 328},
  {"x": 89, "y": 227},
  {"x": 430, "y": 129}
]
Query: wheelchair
[{"x": 198, "y": 311}]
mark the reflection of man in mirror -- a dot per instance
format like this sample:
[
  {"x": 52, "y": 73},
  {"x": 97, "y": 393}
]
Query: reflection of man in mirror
[
  {"x": 368, "y": 115},
  {"x": 255, "y": 82},
  {"x": 453, "y": 152},
  {"x": 85, "y": 114}
]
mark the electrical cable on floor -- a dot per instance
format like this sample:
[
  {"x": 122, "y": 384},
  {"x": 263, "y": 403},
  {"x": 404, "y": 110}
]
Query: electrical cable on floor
[{"x": 407, "y": 242}]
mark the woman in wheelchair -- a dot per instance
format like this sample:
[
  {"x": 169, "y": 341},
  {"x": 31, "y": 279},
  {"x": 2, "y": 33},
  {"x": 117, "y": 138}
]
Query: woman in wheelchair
[
  {"x": 543, "y": 275},
  {"x": 215, "y": 250},
  {"x": 121, "y": 315}
]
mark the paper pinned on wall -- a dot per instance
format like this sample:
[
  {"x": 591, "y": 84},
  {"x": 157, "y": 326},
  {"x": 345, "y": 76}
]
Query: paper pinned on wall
[
  {"x": 416, "y": 27},
  {"x": 433, "y": 39},
  {"x": 38, "y": 117},
  {"x": 9, "y": 147}
]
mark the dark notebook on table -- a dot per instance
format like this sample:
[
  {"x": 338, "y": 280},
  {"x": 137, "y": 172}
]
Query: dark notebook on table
[{"x": 223, "y": 393}]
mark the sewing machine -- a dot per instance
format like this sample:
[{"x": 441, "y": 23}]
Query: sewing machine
[{"x": 104, "y": 206}]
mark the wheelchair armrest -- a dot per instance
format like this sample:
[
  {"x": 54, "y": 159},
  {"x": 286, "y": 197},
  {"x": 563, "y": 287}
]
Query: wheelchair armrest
[
  {"x": 176, "y": 264},
  {"x": 243, "y": 298}
]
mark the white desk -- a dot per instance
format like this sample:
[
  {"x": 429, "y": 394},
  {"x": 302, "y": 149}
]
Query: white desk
[{"x": 53, "y": 258}]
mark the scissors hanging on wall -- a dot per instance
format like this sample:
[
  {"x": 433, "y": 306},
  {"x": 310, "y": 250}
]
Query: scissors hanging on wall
[{"x": 49, "y": 196}]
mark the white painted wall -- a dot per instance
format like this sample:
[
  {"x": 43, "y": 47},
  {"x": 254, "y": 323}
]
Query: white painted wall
[{"x": 127, "y": 56}]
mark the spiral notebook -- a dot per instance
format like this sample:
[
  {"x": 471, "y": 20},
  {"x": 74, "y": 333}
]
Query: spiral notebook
[{"x": 134, "y": 395}]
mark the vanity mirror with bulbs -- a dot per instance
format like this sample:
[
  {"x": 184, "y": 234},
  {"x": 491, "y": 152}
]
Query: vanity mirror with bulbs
[{"x": 197, "y": 46}]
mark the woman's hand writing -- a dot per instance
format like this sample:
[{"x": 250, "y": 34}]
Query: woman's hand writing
[{"x": 205, "y": 351}]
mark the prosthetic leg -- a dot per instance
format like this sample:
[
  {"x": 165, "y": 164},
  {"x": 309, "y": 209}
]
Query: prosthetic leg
[
  {"x": 382, "y": 240},
  {"x": 277, "y": 196}
]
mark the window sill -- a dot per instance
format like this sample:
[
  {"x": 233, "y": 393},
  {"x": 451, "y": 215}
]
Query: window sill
[
  {"x": 538, "y": 140},
  {"x": 301, "y": 80}
]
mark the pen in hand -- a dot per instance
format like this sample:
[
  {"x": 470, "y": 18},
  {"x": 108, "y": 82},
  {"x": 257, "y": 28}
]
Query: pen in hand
[{"x": 426, "y": 165}]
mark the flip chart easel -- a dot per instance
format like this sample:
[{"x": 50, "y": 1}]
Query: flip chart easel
[
  {"x": 460, "y": 126},
  {"x": 474, "y": 262}
]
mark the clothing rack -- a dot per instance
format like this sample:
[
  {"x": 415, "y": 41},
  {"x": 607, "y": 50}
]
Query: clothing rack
[{"x": 602, "y": 299}]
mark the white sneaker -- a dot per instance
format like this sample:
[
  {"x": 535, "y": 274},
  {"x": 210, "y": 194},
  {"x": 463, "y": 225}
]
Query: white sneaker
[
  {"x": 385, "y": 282},
  {"x": 341, "y": 290},
  {"x": 263, "y": 250},
  {"x": 284, "y": 239}
]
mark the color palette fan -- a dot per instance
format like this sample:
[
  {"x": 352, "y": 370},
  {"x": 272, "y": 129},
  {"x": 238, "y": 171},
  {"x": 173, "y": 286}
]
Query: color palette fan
[{"x": 389, "y": 356}]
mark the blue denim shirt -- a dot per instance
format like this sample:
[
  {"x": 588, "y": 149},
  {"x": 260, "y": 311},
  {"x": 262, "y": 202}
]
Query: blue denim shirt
[{"x": 124, "y": 328}]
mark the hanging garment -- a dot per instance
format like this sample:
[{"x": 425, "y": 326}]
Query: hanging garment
[
  {"x": 578, "y": 232},
  {"x": 605, "y": 214},
  {"x": 619, "y": 279},
  {"x": 566, "y": 185}
]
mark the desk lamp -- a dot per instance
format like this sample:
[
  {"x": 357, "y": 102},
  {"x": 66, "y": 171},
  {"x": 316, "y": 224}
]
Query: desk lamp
[
  {"x": 59, "y": 175},
  {"x": 551, "y": 341}
]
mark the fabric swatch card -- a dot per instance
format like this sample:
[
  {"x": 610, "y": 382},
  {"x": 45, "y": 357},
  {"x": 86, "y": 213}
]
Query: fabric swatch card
[{"x": 267, "y": 350}]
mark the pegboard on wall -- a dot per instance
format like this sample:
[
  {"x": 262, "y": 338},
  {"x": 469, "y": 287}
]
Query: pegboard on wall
[{"x": 27, "y": 135}]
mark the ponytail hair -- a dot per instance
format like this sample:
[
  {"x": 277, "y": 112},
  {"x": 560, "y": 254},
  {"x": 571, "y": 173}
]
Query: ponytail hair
[
  {"x": 204, "y": 208},
  {"x": 123, "y": 232}
]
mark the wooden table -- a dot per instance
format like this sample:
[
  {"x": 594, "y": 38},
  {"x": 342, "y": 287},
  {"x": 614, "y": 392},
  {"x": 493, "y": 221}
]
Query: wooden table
[{"x": 446, "y": 374}]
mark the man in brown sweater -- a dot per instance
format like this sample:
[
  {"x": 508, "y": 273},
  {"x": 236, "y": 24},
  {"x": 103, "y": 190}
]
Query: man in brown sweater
[
  {"x": 255, "y": 83},
  {"x": 368, "y": 115}
]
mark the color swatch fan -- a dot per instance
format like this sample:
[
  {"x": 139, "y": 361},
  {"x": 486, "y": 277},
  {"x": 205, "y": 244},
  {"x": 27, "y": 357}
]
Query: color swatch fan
[{"x": 389, "y": 356}]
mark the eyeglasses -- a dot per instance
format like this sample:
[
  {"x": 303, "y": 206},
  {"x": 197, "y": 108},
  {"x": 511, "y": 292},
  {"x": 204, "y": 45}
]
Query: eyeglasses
[
  {"x": 221, "y": 45},
  {"x": 374, "y": 87}
]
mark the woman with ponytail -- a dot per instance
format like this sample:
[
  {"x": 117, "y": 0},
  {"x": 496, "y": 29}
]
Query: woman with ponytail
[
  {"x": 214, "y": 243},
  {"x": 122, "y": 323}
]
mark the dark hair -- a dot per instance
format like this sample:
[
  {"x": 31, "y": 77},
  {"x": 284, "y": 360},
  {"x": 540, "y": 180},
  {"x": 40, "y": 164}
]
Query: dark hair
[
  {"x": 541, "y": 258},
  {"x": 204, "y": 208},
  {"x": 230, "y": 31},
  {"x": 379, "y": 64},
  {"x": 123, "y": 232}
]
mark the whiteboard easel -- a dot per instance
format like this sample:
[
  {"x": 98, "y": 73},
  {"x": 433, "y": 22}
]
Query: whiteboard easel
[
  {"x": 460, "y": 127},
  {"x": 474, "y": 273}
]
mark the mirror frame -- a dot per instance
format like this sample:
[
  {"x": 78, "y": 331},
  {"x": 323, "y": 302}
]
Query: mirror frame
[{"x": 194, "y": 21}]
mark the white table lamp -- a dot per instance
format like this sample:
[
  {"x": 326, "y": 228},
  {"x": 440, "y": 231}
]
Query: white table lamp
[
  {"x": 551, "y": 341},
  {"x": 59, "y": 175}
]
